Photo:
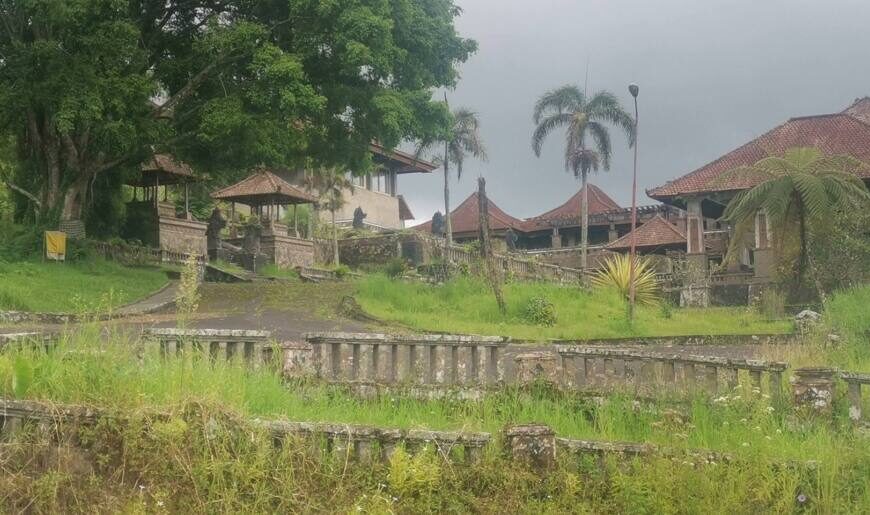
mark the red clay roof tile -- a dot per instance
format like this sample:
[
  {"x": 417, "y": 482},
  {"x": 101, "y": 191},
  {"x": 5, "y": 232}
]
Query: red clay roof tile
[
  {"x": 847, "y": 132},
  {"x": 655, "y": 233}
]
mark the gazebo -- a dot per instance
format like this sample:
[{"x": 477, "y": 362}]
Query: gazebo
[
  {"x": 154, "y": 221},
  {"x": 265, "y": 193}
]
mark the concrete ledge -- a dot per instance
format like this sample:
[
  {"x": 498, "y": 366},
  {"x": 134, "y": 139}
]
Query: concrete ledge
[
  {"x": 415, "y": 339},
  {"x": 208, "y": 333}
]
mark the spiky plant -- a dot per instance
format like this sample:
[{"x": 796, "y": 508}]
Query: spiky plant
[
  {"x": 330, "y": 184},
  {"x": 583, "y": 118},
  {"x": 616, "y": 272},
  {"x": 798, "y": 190},
  {"x": 462, "y": 140}
]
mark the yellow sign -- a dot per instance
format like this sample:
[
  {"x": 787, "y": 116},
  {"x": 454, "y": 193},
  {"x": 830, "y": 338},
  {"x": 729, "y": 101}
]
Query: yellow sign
[{"x": 55, "y": 245}]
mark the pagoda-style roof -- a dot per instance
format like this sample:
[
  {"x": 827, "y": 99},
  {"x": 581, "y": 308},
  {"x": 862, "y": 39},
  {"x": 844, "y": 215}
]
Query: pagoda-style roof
[
  {"x": 163, "y": 170},
  {"x": 465, "y": 218},
  {"x": 263, "y": 188},
  {"x": 847, "y": 132},
  {"x": 402, "y": 162},
  {"x": 404, "y": 210},
  {"x": 569, "y": 212},
  {"x": 657, "y": 232}
]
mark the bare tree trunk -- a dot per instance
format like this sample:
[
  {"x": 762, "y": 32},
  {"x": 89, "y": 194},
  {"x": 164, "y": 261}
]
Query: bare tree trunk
[
  {"x": 584, "y": 223},
  {"x": 334, "y": 239},
  {"x": 492, "y": 274}
]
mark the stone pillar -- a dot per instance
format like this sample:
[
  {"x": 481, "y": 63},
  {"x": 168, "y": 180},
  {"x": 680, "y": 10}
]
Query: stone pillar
[
  {"x": 813, "y": 389},
  {"x": 556, "y": 239},
  {"x": 533, "y": 444},
  {"x": 298, "y": 360},
  {"x": 537, "y": 366},
  {"x": 763, "y": 250},
  {"x": 694, "y": 227},
  {"x": 612, "y": 235}
]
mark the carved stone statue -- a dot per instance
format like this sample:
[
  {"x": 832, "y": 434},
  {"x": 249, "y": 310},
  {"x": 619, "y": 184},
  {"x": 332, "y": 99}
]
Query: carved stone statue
[
  {"x": 438, "y": 224},
  {"x": 216, "y": 223},
  {"x": 510, "y": 238},
  {"x": 358, "y": 217}
]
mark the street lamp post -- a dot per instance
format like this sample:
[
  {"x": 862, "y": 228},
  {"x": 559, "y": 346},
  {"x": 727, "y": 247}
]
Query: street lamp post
[{"x": 634, "y": 90}]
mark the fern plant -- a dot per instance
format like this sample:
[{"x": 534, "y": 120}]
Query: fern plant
[
  {"x": 616, "y": 272},
  {"x": 798, "y": 190}
]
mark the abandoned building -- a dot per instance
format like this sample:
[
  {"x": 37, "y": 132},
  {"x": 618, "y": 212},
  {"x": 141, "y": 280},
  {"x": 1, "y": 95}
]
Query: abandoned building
[
  {"x": 375, "y": 193},
  {"x": 704, "y": 193}
]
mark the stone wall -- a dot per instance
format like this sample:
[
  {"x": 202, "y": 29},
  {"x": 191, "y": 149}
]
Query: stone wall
[
  {"x": 182, "y": 236},
  {"x": 569, "y": 257},
  {"x": 286, "y": 251},
  {"x": 380, "y": 249}
]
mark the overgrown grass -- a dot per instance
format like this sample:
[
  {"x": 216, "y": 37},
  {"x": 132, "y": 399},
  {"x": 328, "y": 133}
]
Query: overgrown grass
[
  {"x": 278, "y": 272},
  {"x": 121, "y": 375},
  {"x": 85, "y": 286},
  {"x": 466, "y": 305}
]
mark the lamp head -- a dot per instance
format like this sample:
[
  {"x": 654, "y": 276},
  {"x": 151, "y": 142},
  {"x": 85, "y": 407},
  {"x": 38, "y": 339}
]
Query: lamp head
[{"x": 633, "y": 89}]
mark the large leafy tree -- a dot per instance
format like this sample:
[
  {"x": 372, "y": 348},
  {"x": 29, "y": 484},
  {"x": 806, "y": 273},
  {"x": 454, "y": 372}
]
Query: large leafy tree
[
  {"x": 587, "y": 138},
  {"x": 800, "y": 191},
  {"x": 90, "y": 87},
  {"x": 461, "y": 140}
]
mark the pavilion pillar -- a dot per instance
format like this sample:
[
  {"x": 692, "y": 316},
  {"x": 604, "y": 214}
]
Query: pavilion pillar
[
  {"x": 763, "y": 248},
  {"x": 556, "y": 239},
  {"x": 612, "y": 235},
  {"x": 695, "y": 291}
]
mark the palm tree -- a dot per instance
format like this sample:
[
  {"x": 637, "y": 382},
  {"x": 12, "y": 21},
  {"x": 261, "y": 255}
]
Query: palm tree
[
  {"x": 463, "y": 139},
  {"x": 582, "y": 118},
  {"x": 330, "y": 185},
  {"x": 799, "y": 190}
]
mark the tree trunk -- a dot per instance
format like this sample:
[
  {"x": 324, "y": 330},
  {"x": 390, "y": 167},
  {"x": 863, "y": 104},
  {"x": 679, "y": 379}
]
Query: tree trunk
[
  {"x": 584, "y": 223},
  {"x": 74, "y": 199},
  {"x": 334, "y": 239},
  {"x": 490, "y": 269},
  {"x": 448, "y": 224}
]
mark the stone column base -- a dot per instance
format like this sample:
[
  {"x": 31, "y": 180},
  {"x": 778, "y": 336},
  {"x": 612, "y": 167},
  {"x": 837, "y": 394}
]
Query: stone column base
[
  {"x": 695, "y": 296},
  {"x": 533, "y": 444},
  {"x": 813, "y": 390}
]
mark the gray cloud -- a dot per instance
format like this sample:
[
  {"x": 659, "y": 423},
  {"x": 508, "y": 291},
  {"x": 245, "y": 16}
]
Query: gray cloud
[{"x": 713, "y": 74}]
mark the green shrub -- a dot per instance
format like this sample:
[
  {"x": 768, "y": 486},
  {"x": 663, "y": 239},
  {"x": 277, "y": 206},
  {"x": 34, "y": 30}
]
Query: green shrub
[
  {"x": 395, "y": 268},
  {"x": 540, "y": 311},
  {"x": 341, "y": 271}
]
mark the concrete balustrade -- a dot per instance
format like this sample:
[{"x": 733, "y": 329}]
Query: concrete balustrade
[
  {"x": 255, "y": 348},
  {"x": 595, "y": 368},
  {"x": 417, "y": 359},
  {"x": 854, "y": 382}
]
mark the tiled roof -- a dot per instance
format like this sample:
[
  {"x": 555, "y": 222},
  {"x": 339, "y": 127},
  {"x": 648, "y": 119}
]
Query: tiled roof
[
  {"x": 599, "y": 202},
  {"x": 655, "y": 233},
  {"x": 465, "y": 218},
  {"x": 409, "y": 163},
  {"x": 847, "y": 132},
  {"x": 163, "y": 169},
  {"x": 261, "y": 188}
]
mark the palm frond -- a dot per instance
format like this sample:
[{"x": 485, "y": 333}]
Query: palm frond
[
  {"x": 545, "y": 127},
  {"x": 602, "y": 142},
  {"x": 604, "y": 106},
  {"x": 616, "y": 274},
  {"x": 567, "y": 98}
]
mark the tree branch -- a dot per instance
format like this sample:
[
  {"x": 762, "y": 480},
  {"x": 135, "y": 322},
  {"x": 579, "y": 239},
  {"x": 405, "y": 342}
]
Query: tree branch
[{"x": 24, "y": 192}]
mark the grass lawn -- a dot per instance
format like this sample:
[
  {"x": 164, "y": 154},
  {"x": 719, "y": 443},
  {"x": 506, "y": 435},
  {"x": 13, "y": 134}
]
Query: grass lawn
[
  {"x": 466, "y": 305},
  {"x": 80, "y": 287}
]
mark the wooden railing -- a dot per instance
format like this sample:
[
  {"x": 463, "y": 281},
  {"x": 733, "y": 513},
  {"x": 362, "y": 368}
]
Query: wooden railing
[{"x": 598, "y": 368}]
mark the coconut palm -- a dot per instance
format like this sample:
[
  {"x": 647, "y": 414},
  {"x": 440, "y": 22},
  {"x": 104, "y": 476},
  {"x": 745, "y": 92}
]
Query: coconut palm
[
  {"x": 798, "y": 190},
  {"x": 330, "y": 185},
  {"x": 462, "y": 140},
  {"x": 582, "y": 118}
]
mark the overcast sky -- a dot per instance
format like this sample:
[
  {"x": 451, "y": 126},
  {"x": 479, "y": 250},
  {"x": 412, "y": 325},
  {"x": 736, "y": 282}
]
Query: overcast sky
[{"x": 713, "y": 74}]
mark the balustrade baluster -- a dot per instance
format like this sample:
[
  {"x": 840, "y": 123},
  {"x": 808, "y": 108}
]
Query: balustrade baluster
[
  {"x": 855, "y": 401},
  {"x": 711, "y": 379}
]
